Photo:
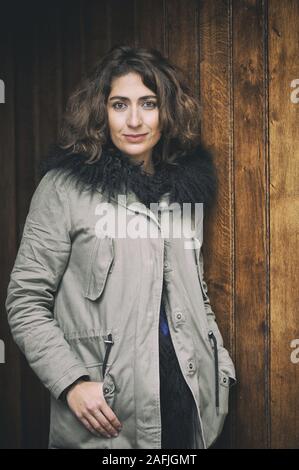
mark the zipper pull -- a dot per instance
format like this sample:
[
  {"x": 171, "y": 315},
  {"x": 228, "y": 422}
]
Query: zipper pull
[{"x": 109, "y": 343}]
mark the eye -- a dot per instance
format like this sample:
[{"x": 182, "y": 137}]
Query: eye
[
  {"x": 153, "y": 103},
  {"x": 150, "y": 105},
  {"x": 115, "y": 105}
]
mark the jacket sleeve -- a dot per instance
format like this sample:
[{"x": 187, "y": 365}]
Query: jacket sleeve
[
  {"x": 225, "y": 362},
  {"x": 41, "y": 260}
]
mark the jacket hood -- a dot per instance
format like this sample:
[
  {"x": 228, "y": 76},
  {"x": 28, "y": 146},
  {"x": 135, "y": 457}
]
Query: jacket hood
[{"x": 190, "y": 177}]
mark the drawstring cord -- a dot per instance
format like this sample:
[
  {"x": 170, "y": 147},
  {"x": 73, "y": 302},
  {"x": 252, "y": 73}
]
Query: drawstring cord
[
  {"x": 213, "y": 337},
  {"x": 109, "y": 342}
]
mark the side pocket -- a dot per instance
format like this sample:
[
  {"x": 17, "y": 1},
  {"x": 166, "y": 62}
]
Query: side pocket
[
  {"x": 109, "y": 389},
  {"x": 222, "y": 383},
  {"x": 223, "y": 393},
  {"x": 216, "y": 368},
  {"x": 100, "y": 265},
  {"x": 108, "y": 384}
]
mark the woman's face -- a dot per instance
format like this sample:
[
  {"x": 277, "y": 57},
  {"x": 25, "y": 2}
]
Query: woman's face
[{"x": 133, "y": 109}]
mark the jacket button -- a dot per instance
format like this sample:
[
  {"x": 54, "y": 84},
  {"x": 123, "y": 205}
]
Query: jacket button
[
  {"x": 166, "y": 265},
  {"x": 179, "y": 316},
  {"x": 106, "y": 390},
  {"x": 191, "y": 367}
]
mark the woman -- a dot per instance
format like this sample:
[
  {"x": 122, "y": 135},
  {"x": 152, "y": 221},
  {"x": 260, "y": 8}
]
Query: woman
[{"x": 119, "y": 327}]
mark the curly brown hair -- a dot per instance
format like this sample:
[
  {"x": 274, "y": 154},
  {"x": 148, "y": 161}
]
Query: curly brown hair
[{"x": 85, "y": 126}]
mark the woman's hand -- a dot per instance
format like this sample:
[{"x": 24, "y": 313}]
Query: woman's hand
[{"x": 87, "y": 402}]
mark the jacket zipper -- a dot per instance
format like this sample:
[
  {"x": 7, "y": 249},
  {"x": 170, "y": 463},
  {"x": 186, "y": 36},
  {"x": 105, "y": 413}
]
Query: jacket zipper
[
  {"x": 109, "y": 343},
  {"x": 213, "y": 338}
]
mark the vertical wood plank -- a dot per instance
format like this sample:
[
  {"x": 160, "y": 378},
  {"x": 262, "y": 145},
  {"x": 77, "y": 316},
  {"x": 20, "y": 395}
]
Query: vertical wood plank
[
  {"x": 95, "y": 30},
  {"x": 25, "y": 183},
  {"x": 49, "y": 69},
  {"x": 10, "y": 383},
  {"x": 250, "y": 228},
  {"x": 150, "y": 21},
  {"x": 36, "y": 124},
  {"x": 284, "y": 221},
  {"x": 215, "y": 92},
  {"x": 72, "y": 46},
  {"x": 122, "y": 24},
  {"x": 181, "y": 30},
  {"x": 25, "y": 95}
]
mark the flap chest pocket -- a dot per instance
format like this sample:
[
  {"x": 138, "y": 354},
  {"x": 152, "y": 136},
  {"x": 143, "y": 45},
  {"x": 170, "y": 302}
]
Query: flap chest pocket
[{"x": 100, "y": 265}]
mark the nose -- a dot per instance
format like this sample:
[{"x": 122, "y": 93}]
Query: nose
[{"x": 134, "y": 117}]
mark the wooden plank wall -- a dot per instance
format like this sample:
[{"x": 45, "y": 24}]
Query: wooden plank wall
[
  {"x": 240, "y": 57},
  {"x": 250, "y": 222},
  {"x": 283, "y": 195}
]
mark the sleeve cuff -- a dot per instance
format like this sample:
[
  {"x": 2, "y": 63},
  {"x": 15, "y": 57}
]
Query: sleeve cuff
[
  {"x": 63, "y": 395},
  {"x": 68, "y": 379}
]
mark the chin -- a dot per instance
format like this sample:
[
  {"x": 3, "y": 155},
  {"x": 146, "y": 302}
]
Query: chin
[{"x": 135, "y": 149}]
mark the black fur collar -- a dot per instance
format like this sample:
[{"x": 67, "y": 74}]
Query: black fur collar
[{"x": 192, "y": 179}]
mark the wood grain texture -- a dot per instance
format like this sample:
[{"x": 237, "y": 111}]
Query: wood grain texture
[
  {"x": 10, "y": 372},
  {"x": 284, "y": 221},
  {"x": 72, "y": 45},
  {"x": 250, "y": 224},
  {"x": 215, "y": 96},
  {"x": 95, "y": 31},
  {"x": 182, "y": 31},
  {"x": 31, "y": 121},
  {"x": 150, "y": 21},
  {"x": 122, "y": 22}
]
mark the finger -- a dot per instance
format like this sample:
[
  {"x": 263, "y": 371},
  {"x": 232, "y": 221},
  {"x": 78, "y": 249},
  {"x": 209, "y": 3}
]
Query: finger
[
  {"x": 97, "y": 426},
  {"x": 109, "y": 414},
  {"x": 103, "y": 421},
  {"x": 86, "y": 423}
]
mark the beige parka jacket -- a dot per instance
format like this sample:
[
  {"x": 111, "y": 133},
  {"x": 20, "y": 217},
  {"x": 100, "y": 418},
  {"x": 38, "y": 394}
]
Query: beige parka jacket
[{"x": 84, "y": 300}]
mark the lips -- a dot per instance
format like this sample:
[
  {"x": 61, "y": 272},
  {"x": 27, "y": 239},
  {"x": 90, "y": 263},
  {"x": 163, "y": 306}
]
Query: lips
[{"x": 135, "y": 137}]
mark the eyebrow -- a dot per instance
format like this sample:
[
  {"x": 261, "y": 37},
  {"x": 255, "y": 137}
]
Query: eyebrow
[{"x": 127, "y": 99}]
